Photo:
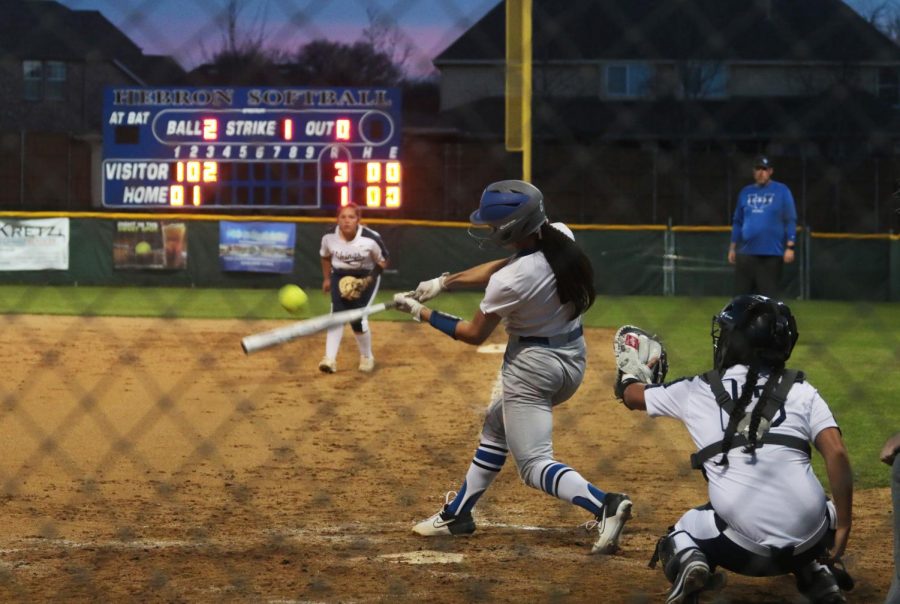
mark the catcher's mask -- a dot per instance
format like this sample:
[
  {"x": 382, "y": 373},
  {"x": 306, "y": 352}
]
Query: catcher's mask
[
  {"x": 753, "y": 329},
  {"x": 510, "y": 210}
]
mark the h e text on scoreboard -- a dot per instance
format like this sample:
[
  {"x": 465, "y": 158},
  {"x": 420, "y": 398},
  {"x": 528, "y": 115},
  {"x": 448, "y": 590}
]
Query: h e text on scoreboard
[{"x": 251, "y": 147}]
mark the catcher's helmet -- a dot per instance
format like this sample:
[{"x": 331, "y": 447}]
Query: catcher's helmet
[
  {"x": 510, "y": 210},
  {"x": 753, "y": 329}
]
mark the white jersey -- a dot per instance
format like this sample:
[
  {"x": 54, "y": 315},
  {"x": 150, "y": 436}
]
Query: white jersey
[
  {"x": 524, "y": 293},
  {"x": 774, "y": 499},
  {"x": 361, "y": 253}
]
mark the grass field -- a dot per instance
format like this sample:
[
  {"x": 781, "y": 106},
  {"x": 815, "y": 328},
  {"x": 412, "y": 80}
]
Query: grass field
[{"x": 849, "y": 351}]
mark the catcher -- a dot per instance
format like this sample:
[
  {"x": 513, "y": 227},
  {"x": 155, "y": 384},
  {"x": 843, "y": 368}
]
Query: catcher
[
  {"x": 353, "y": 257},
  {"x": 752, "y": 421}
]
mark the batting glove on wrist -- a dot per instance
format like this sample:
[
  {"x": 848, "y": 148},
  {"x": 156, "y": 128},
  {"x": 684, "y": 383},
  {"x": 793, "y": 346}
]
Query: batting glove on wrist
[
  {"x": 407, "y": 303},
  {"x": 426, "y": 290}
]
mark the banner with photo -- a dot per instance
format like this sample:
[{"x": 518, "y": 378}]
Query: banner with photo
[
  {"x": 261, "y": 247},
  {"x": 34, "y": 245},
  {"x": 150, "y": 244}
]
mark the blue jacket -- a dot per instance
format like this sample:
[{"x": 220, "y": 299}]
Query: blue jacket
[{"x": 764, "y": 220}]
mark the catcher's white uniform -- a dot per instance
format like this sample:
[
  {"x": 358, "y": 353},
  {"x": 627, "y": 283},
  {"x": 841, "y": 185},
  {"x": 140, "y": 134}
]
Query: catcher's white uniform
[{"x": 773, "y": 498}]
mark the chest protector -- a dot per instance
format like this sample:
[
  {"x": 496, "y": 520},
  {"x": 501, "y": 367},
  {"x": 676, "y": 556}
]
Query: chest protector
[{"x": 773, "y": 397}]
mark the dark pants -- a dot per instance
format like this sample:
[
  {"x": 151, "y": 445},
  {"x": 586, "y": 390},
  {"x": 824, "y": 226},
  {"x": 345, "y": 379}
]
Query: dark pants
[
  {"x": 338, "y": 303},
  {"x": 758, "y": 275},
  {"x": 894, "y": 594},
  {"x": 722, "y": 551}
]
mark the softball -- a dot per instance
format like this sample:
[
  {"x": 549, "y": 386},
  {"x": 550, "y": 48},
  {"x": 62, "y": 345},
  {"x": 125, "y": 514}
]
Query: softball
[{"x": 292, "y": 298}]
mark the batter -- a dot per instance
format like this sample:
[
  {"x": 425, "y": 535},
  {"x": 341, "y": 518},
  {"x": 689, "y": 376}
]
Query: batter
[{"x": 541, "y": 293}]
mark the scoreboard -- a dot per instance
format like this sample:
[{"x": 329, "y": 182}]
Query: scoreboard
[{"x": 248, "y": 147}]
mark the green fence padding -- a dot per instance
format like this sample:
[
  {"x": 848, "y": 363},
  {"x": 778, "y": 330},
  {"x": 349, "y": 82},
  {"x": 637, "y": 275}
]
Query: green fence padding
[
  {"x": 894, "y": 276},
  {"x": 626, "y": 262},
  {"x": 850, "y": 269},
  {"x": 423, "y": 252},
  {"x": 702, "y": 269}
]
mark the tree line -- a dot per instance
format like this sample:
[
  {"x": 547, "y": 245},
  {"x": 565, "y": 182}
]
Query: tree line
[{"x": 379, "y": 58}]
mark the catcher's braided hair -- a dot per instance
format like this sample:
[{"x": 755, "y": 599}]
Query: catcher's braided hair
[
  {"x": 757, "y": 414},
  {"x": 739, "y": 411},
  {"x": 571, "y": 267}
]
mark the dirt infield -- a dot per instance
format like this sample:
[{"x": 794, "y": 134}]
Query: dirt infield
[{"x": 151, "y": 460}]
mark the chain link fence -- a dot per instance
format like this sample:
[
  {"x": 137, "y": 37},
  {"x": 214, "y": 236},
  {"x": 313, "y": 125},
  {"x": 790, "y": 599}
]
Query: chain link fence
[{"x": 148, "y": 459}]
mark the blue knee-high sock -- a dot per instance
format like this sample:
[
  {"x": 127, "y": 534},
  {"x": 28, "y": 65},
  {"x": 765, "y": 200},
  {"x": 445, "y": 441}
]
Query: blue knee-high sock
[
  {"x": 561, "y": 481},
  {"x": 486, "y": 464}
]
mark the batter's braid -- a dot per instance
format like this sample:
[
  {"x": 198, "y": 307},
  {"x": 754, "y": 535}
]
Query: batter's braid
[
  {"x": 739, "y": 411},
  {"x": 571, "y": 267}
]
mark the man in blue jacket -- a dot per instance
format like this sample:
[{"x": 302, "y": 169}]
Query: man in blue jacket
[{"x": 763, "y": 233}]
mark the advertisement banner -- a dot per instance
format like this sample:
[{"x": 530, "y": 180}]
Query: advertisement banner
[
  {"x": 260, "y": 247},
  {"x": 34, "y": 245},
  {"x": 150, "y": 244}
]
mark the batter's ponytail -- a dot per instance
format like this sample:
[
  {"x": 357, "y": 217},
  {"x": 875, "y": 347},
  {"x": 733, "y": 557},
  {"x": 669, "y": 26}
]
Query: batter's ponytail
[{"x": 571, "y": 267}]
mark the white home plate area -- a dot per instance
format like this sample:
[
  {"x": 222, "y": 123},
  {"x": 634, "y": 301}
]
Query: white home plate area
[
  {"x": 424, "y": 557},
  {"x": 492, "y": 348}
]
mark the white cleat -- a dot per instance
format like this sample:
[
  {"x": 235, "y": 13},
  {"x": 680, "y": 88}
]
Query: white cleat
[
  {"x": 445, "y": 524},
  {"x": 327, "y": 365},
  {"x": 367, "y": 364},
  {"x": 609, "y": 525}
]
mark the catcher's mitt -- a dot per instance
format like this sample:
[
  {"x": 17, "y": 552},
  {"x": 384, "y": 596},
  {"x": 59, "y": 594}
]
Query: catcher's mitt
[
  {"x": 640, "y": 357},
  {"x": 352, "y": 288}
]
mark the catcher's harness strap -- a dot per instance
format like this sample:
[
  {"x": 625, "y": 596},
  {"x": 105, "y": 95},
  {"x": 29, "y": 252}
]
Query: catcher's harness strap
[
  {"x": 559, "y": 340},
  {"x": 773, "y": 402}
]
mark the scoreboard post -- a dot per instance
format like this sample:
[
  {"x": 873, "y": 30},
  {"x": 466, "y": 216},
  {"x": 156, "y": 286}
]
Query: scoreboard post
[{"x": 255, "y": 148}]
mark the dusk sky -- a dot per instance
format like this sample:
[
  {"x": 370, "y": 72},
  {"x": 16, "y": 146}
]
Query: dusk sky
[{"x": 190, "y": 30}]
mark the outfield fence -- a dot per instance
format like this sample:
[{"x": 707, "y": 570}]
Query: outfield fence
[{"x": 632, "y": 260}]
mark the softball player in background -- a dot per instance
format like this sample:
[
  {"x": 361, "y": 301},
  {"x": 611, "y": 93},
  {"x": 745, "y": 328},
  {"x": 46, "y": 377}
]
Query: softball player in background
[
  {"x": 541, "y": 293},
  {"x": 767, "y": 513},
  {"x": 351, "y": 250}
]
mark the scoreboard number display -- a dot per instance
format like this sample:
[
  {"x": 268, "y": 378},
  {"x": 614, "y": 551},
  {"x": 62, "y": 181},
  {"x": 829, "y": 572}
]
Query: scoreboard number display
[{"x": 261, "y": 148}]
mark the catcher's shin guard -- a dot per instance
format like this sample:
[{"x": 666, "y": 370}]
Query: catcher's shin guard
[
  {"x": 818, "y": 584},
  {"x": 687, "y": 570},
  {"x": 691, "y": 578}
]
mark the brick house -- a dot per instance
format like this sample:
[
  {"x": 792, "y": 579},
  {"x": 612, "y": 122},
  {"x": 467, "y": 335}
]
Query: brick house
[
  {"x": 648, "y": 111},
  {"x": 54, "y": 64}
]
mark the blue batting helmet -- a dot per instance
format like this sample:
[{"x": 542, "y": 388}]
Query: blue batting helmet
[{"x": 510, "y": 210}]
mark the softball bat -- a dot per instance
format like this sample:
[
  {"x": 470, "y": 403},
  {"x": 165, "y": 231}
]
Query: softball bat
[{"x": 280, "y": 335}]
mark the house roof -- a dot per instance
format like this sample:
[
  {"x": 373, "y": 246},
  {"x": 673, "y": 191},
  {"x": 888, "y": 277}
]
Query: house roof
[
  {"x": 47, "y": 30},
  {"x": 718, "y": 30},
  {"x": 850, "y": 114}
]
